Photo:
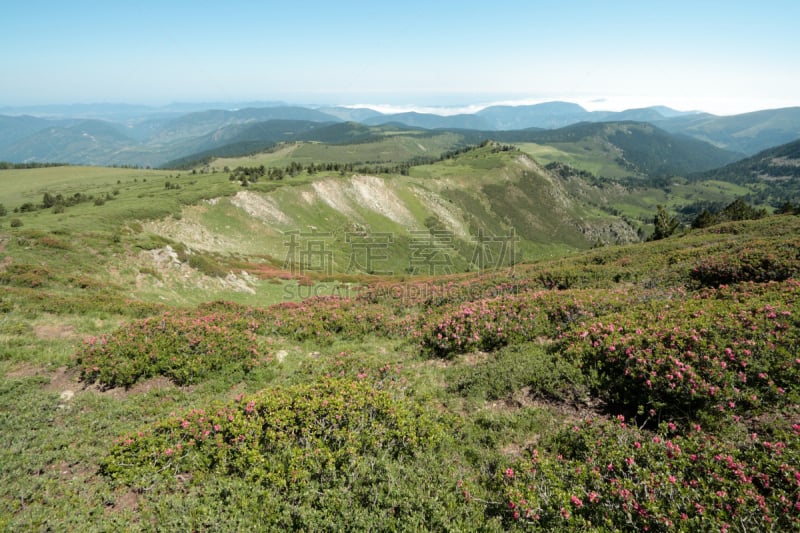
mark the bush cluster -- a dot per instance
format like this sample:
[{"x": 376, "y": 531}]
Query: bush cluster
[
  {"x": 611, "y": 476},
  {"x": 729, "y": 350},
  {"x": 183, "y": 346}
]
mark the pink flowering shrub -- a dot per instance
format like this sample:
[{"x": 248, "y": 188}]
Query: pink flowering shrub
[
  {"x": 491, "y": 323},
  {"x": 182, "y": 345},
  {"x": 611, "y": 476},
  {"x": 759, "y": 264},
  {"x": 186, "y": 345},
  {"x": 325, "y": 318},
  {"x": 482, "y": 325},
  {"x": 728, "y": 350},
  {"x": 288, "y": 438}
]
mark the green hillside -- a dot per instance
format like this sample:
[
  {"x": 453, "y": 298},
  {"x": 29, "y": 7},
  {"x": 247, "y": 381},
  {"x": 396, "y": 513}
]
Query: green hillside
[
  {"x": 631, "y": 148},
  {"x": 772, "y": 175},
  {"x": 747, "y": 133},
  {"x": 456, "y": 200},
  {"x": 363, "y": 348}
]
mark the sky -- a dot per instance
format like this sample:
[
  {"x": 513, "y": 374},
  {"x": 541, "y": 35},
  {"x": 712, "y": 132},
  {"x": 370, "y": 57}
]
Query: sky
[{"x": 722, "y": 57}]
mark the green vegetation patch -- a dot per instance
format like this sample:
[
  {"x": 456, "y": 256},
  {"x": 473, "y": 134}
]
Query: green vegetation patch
[
  {"x": 731, "y": 350},
  {"x": 758, "y": 262},
  {"x": 183, "y": 346},
  {"x": 609, "y": 475},
  {"x": 300, "y": 434},
  {"x": 293, "y": 440}
]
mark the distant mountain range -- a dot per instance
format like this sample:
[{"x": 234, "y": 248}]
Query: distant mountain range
[{"x": 145, "y": 136}]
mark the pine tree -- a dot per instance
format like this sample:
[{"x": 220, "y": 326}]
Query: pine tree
[
  {"x": 704, "y": 220},
  {"x": 665, "y": 224}
]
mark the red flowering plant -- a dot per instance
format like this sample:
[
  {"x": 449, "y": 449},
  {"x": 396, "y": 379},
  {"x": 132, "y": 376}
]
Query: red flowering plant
[{"x": 181, "y": 345}]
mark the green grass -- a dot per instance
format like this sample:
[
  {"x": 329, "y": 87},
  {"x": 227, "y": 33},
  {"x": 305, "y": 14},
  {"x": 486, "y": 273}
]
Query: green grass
[
  {"x": 590, "y": 156},
  {"x": 493, "y": 405},
  {"x": 72, "y": 278},
  {"x": 28, "y": 185},
  {"x": 397, "y": 147}
]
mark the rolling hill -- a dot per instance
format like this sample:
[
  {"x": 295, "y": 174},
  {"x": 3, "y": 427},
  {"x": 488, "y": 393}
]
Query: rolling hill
[
  {"x": 484, "y": 191},
  {"x": 547, "y": 115},
  {"x": 131, "y": 135},
  {"x": 773, "y": 175},
  {"x": 747, "y": 133},
  {"x": 638, "y": 148},
  {"x": 91, "y": 142},
  {"x": 431, "y": 121},
  {"x": 774, "y": 164},
  {"x": 151, "y": 141}
]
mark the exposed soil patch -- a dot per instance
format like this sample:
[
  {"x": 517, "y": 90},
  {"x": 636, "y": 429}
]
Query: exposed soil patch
[
  {"x": 261, "y": 207},
  {"x": 189, "y": 232},
  {"x": 474, "y": 358},
  {"x": 448, "y": 215},
  {"x": 516, "y": 450},
  {"x": 50, "y": 332},
  {"x": 565, "y": 411},
  {"x": 332, "y": 193},
  {"x": 527, "y": 162},
  {"x": 142, "y": 387},
  {"x": 63, "y": 380},
  {"x": 169, "y": 268},
  {"x": 126, "y": 501},
  {"x": 374, "y": 194},
  {"x": 368, "y": 192},
  {"x": 26, "y": 370}
]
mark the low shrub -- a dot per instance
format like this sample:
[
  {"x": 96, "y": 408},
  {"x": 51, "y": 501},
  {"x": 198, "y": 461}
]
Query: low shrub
[
  {"x": 730, "y": 350},
  {"x": 612, "y": 476},
  {"x": 753, "y": 264},
  {"x": 546, "y": 374},
  {"x": 183, "y": 346},
  {"x": 286, "y": 437}
]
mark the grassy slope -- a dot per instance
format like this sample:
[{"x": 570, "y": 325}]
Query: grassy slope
[
  {"x": 63, "y": 428},
  {"x": 589, "y": 155},
  {"x": 463, "y": 196},
  {"x": 83, "y": 273},
  {"x": 480, "y": 191},
  {"x": 399, "y": 146}
]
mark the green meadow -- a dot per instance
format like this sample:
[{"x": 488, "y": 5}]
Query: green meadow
[{"x": 165, "y": 367}]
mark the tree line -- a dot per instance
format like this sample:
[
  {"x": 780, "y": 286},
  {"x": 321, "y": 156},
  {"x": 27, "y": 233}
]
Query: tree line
[{"x": 5, "y": 165}]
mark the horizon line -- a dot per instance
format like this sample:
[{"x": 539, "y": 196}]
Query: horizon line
[{"x": 591, "y": 105}]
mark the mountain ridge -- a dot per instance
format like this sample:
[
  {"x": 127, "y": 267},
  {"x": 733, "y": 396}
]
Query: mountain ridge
[{"x": 160, "y": 135}]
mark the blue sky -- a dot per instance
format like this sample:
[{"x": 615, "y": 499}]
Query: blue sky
[{"x": 723, "y": 57}]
